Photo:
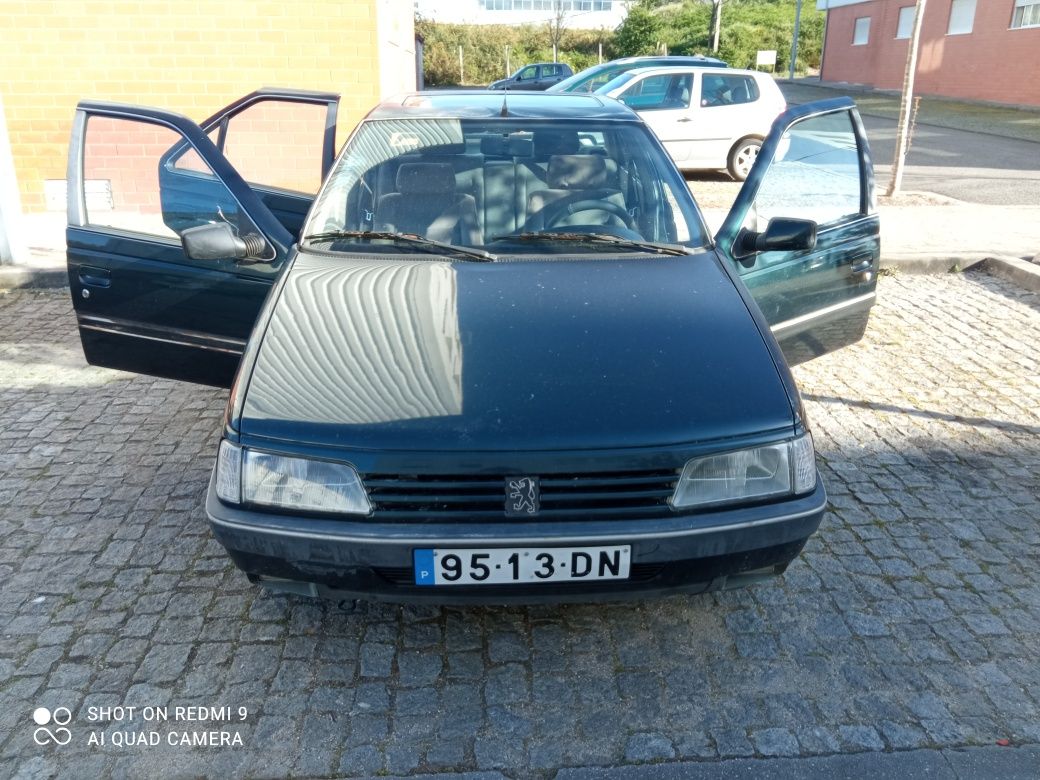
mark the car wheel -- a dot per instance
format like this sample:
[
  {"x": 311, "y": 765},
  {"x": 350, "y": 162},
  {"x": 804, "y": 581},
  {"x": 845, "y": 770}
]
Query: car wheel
[{"x": 742, "y": 157}]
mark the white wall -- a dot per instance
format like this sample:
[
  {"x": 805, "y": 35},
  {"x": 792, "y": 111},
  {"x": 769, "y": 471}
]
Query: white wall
[
  {"x": 395, "y": 25},
  {"x": 11, "y": 246}
]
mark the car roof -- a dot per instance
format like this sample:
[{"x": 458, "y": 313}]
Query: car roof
[
  {"x": 671, "y": 71},
  {"x": 691, "y": 58},
  {"x": 486, "y": 104}
]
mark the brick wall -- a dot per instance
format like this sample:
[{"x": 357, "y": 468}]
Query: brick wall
[
  {"x": 190, "y": 56},
  {"x": 992, "y": 62}
]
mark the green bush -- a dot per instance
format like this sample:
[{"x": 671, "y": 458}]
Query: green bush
[
  {"x": 747, "y": 27},
  {"x": 683, "y": 27},
  {"x": 484, "y": 50}
]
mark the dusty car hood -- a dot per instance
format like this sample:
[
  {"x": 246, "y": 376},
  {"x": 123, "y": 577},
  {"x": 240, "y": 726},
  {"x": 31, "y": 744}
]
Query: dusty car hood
[{"x": 374, "y": 353}]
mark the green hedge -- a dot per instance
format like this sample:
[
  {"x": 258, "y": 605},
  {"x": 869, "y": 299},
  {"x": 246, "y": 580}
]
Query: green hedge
[{"x": 484, "y": 50}]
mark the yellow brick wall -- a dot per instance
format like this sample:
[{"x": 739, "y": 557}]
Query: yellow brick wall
[{"x": 189, "y": 56}]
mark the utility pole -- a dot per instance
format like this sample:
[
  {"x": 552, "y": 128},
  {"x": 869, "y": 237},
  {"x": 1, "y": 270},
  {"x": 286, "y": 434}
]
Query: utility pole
[
  {"x": 509, "y": 69},
  {"x": 718, "y": 26},
  {"x": 462, "y": 70},
  {"x": 903, "y": 128},
  {"x": 794, "y": 39}
]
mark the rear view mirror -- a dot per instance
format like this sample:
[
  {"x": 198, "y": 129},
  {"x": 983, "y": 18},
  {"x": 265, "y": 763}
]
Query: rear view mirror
[
  {"x": 219, "y": 241},
  {"x": 782, "y": 234}
]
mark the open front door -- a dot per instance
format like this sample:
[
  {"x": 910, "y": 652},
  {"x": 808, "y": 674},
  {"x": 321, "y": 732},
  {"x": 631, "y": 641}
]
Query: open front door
[
  {"x": 137, "y": 178},
  {"x": 815, "y": 165}
]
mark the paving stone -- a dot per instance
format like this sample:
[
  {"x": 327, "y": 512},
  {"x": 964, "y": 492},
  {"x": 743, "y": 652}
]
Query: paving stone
[
  {"x": 909, "y": 621},
  {"x": 775, "y": 742}
]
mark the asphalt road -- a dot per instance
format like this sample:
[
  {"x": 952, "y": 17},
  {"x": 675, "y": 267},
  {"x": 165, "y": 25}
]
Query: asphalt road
[
  {"x": 973, "y": 167},
  {"x": 967, "y": 164}
]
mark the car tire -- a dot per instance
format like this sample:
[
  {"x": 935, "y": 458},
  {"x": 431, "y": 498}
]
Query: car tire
[{"x": 742, "y": 157}]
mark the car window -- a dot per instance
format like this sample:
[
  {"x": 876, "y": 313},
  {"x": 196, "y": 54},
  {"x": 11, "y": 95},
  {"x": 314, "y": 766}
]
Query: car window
[
  {"x": 469, "y": 181},
  {"x": 277, "y": 143},
  {"x": 727, "y": 90},
  {"x": 814, "y": 175},
  {"x": 655, "y": 93},
  {"x": 530, "y": 72},
  {"x": 596, "y": 80},
  {"x": 135, "y": 186},
  {"x": 550, "y": 70}
]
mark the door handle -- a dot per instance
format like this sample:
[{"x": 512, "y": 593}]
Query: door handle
[
  {"x": 862, "y": 264},
  {"x": 94, "y": 277},
  {"x": 685, "y": 119}
]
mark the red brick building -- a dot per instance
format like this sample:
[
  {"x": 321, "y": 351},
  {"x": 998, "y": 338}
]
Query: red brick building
[{"x": 972, "y": 49}]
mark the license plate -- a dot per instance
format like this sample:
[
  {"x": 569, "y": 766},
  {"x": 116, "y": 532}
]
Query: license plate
[{"x": 524, "y": 564}]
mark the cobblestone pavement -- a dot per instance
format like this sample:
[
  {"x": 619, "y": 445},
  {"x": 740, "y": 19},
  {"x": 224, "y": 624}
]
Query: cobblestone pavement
[{"x": 911, "y": 620}]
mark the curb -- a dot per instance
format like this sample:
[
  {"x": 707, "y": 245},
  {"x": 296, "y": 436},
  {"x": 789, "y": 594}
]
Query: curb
[
  {"x": 1015, "y": 269},
  {"x": 14, "y": 277},
  {"x": 971, "y": 763}
]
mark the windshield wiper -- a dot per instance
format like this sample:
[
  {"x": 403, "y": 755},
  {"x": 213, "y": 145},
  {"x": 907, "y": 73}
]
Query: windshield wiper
[
  {"x": 405, "y": 238},
  {"x": 598, "y": 238}
]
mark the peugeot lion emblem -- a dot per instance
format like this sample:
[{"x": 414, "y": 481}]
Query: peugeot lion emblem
[{"x": 522, "y": 496}]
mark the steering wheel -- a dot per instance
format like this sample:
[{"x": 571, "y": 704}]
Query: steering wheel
[{"x": 557, "y": 212}]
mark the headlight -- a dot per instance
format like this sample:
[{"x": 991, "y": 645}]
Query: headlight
[
  {"x": 250, "y": 476},
  {"x": 787, "y": 468}
]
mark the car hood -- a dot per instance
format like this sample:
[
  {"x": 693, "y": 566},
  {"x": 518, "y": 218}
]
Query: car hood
[
  {"x": 499, "y": 84},
  {"x": 421, "y": 355}
]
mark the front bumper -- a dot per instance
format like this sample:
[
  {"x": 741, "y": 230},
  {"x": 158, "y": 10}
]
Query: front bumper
[{"x": 370, "y": 560}]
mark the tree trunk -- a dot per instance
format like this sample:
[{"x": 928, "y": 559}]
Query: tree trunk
[{"x": 903, "y": 128}]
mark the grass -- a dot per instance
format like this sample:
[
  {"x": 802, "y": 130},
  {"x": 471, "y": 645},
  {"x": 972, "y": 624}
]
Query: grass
[{"x": 1023, "y": 124}]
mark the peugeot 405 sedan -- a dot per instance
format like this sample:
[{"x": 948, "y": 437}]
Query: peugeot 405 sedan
[{"x": 497, "y": 357}]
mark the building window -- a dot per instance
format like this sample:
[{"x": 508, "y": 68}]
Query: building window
[
  {"x": 1026, "y": 14},
  {"x": 861, "y": 34},
  {"x": 962, "y": 17},
  {"x": 906, "y": 21},
  {"x": 547, "y": 5}
]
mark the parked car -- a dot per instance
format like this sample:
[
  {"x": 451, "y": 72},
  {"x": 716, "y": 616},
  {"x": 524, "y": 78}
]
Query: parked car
[
  {"x": 706, "y": 118},
  {"x": 536, "y": 77},
  {"x": 502, "y": 359},
  {"x": 591, "y": 79}
]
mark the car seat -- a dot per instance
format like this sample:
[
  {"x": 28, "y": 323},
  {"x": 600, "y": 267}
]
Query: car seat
[
  {"x": 573, "y": 178},
  {"x": 426, "y": 203}
]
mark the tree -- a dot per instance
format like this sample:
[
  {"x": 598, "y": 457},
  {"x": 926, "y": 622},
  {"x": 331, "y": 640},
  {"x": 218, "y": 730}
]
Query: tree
[
  {"x": 639, "y": 33},
  {"x": 556, "y": 26},
  {"x": 903, "y": 128}
]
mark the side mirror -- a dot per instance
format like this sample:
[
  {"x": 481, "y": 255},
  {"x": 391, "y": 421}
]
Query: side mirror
[
  {"x": 219, "y": 241},
  {"x": 782, "y": 234}
]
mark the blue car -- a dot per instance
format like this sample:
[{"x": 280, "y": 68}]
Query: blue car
[{"x": 497, "y": 356}]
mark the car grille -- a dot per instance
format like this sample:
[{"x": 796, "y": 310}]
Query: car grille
[{"x": 481, "y": 498}]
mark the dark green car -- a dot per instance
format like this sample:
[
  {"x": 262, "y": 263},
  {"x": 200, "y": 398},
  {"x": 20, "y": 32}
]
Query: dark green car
[{"x": 498, "y": 356}]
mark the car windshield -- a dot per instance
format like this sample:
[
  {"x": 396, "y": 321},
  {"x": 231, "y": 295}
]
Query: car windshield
[
  {"x": 615, "y": 83},
  {"x": 505, "y": 186},
  {"x": 590, "y": 79}
]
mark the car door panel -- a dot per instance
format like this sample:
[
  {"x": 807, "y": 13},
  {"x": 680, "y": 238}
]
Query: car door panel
[
  {"x": 141, "y": 304},
  {"x": 815, "y": 164},
  {"x": 676, "y": 127}
]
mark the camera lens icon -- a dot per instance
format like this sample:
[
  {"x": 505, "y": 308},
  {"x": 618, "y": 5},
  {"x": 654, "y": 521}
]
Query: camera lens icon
[{"x": 60, "y": 717}]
